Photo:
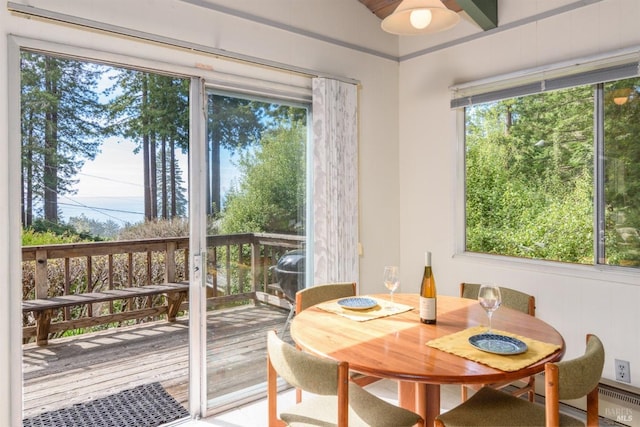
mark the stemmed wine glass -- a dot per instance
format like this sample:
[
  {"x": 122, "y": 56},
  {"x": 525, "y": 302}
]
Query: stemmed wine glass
[
  {"x": 391, "y": 280},
  {"x": 490, "y": 299}
]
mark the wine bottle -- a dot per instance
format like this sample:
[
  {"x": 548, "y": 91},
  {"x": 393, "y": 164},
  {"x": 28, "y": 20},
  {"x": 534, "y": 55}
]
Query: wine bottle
[{"x": 428, "y": 293}]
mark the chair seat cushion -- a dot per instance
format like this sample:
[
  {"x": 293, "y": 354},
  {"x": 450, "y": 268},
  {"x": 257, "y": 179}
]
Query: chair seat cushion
[
  {"x": 320, "y": 411},
  {"x": 489, "y": 407},
  {"x": 317, "y": 411}
]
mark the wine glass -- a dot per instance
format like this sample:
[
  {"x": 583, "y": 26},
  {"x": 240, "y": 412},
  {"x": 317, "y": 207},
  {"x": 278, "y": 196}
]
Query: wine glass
[
  {"x": 391, "y": 280},
  {"x": 490, "y": 299}
]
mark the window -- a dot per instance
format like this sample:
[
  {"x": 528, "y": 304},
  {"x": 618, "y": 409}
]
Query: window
[{"x": 552, "y": 169}]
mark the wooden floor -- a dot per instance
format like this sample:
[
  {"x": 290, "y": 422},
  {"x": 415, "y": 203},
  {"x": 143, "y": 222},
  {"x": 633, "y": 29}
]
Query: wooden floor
[{"x": 78, "y": 369}]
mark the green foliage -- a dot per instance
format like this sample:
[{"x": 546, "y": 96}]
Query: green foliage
[
  {"x": 44, "y": 232},
  {"x": 178, "y": 227},
  {"x": 31, "y": 237},
  {"x": 90, "y": 227},
  {"x": 529, "y": 177},
  {"x": 271, "y": 194}
]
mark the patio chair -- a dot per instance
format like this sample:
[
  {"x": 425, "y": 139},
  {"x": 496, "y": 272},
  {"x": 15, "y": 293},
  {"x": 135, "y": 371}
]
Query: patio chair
[
  {"x": 570, "y": 379},
  {"x": 518, "y": 301},
  {"x": 337, "y": 401}
]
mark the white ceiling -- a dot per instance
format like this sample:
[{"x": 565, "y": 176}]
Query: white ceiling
[{"x": 350, "y": 22}]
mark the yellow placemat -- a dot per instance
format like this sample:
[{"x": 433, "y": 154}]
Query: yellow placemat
[
  {"x": 383, "y": 309},
  {"x": 458, "y": 344}
]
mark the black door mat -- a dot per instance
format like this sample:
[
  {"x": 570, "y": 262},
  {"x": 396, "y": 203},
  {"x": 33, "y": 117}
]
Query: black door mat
[{"x": 147, "y": 405}]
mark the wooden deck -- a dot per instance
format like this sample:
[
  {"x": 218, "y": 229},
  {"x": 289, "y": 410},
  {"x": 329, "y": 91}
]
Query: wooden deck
[{"x": 78, "y": 369}]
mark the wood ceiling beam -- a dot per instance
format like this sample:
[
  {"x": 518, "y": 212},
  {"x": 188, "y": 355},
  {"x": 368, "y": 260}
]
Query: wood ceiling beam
[{"x": 483, "y": 12}]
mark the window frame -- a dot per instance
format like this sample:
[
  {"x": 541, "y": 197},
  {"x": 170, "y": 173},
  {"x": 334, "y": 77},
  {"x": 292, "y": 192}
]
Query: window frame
[{"x": 595, "y": 71}]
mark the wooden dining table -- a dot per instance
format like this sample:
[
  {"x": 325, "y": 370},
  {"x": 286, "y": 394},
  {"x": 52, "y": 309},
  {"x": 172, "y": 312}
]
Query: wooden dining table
[{"x": 394, "y": 346}]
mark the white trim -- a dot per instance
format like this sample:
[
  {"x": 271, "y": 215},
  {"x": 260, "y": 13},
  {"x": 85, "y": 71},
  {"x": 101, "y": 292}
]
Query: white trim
[
  {"x": 167, "y": 41},
  {"x": 290, "y": 28},
  {"x": 515, "y": 24},
  {"x": 459, "y": 199},
  {"x": 612, "y": 274},
  {"x": 244, "y": 78},
  {"x": 14, "y": 294},
  {"x": 197, "y": 252},
  {"x": 546, "y": 72},
  {"x": 48, "y": 14}
]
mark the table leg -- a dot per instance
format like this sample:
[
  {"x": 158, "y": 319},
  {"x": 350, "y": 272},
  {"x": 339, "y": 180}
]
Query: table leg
[{"x": 421, "y": 398}]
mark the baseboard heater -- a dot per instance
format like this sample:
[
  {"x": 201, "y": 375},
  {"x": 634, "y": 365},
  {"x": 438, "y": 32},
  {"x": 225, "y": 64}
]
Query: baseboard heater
[{"x": 619, "y": 403}]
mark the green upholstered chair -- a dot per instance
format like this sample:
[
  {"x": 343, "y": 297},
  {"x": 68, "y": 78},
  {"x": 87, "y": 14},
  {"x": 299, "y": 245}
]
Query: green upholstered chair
[
  {"x": 337, "y": 401},
  {"x": 518, "y": 301},
  {"x": 510, "y": 297},
  {"x": 316, "y": 294},
  {"x": 570, "y": 379}
]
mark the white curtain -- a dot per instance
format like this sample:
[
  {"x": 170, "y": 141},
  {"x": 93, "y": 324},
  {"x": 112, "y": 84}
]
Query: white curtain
[{"x": 335, "y": 181}]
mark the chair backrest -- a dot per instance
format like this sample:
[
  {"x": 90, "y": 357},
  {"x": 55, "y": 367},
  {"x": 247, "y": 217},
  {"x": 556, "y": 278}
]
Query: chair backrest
[
  {"x": 306, "y": 372},
  {"x": 510, "y": 297},
  {"x": 316, "y": 294},
  {"x": 328, "y": 378},
  {"x": 573, "y": 379}
]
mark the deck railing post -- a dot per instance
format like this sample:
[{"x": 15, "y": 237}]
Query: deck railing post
[
  {"x": 170, "y": 262},
  {"x": 255, "y": 259},
  {"x": 41, "y": 285}
]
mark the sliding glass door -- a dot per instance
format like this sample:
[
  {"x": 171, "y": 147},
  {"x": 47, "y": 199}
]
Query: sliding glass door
[
  {"x": 254, "y": 202},
  {"x": 217, "y": 182}
]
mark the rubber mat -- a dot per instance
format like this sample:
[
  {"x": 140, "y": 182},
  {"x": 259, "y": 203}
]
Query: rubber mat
[{"x": 147, "y": 405}]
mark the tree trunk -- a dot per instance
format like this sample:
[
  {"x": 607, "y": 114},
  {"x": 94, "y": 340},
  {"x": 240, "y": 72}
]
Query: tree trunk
[
  {"x": 50, "y": 174},
  {"x": 153, "y": 174},
  {"x": 27, "y": 177},
  {"x": 146, "y": 168},
  {"x": 165, "y": 192},
  {"x": 174, "y": 191},
  {"x": 147, "y": 180}
]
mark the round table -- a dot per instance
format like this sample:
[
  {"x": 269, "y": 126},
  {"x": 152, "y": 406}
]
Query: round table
[{"x": 395, "y": 347}]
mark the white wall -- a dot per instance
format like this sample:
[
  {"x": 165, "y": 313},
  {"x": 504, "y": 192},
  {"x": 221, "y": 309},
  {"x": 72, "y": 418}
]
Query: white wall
[
  {"x": 575, "y": 300},
  {"x": 379, "y": 180}
]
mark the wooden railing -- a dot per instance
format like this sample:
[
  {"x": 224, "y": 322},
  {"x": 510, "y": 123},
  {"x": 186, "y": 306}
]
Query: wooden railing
[{"x": 237, "y": 270}]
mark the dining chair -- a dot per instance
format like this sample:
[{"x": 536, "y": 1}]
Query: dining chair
[
  {"x": 518, "y": 301},
  {"x": 317, "y": 294},
  {"x": 305, "y": 298},
  {"x": 570, "y": 379},
  {"x": 337, "y": 401}
]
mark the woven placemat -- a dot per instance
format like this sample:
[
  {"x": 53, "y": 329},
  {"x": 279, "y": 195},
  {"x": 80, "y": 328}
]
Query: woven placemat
[
  {"x": 147, "y": 405},
  {"x": 458, "y": 344},
  {"x": 383, "y": 309}
]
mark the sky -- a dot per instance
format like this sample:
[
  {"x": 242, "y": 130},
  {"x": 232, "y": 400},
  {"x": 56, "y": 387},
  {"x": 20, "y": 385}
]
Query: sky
[
  {"x": 116, "y": 167},
  {"x": 110, "y": 187}
]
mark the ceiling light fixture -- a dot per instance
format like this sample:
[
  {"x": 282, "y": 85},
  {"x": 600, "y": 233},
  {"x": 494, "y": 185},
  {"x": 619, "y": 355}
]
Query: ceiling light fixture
[{"x": 420, "y": 17}]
